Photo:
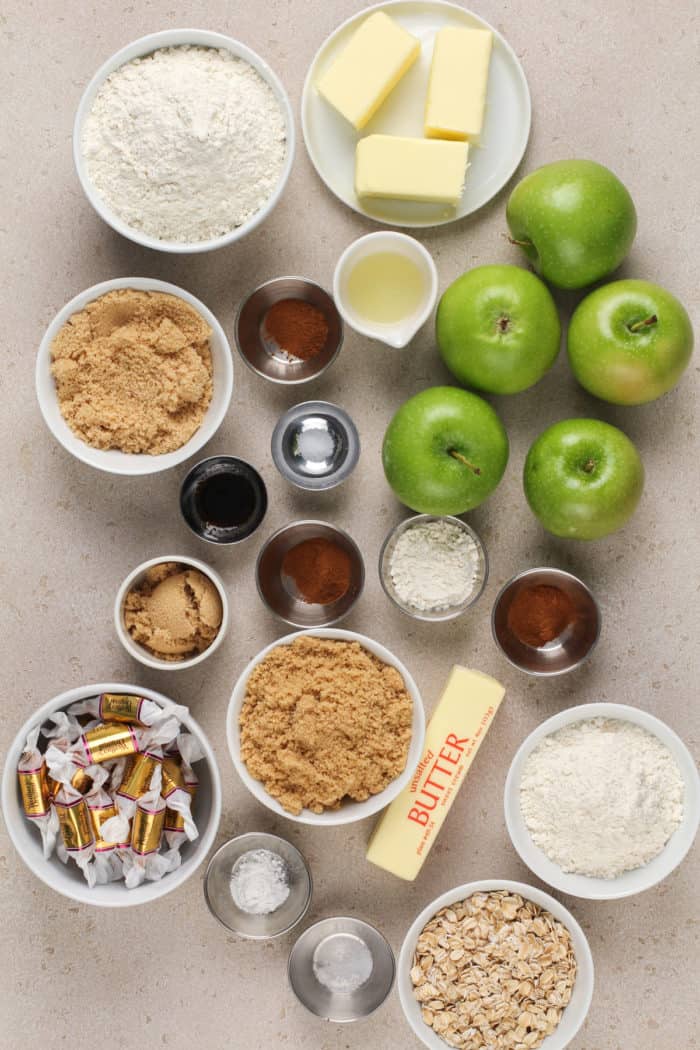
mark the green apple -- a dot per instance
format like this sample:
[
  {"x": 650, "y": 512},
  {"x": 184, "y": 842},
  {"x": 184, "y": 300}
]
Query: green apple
[
  {"x": 629, "y": 342},
  {"x": 444, "y": 451},
  {"x": 574, "y": 220},
  {"x": 583, "y": 478},
  {"x": 498, "y": 329}
]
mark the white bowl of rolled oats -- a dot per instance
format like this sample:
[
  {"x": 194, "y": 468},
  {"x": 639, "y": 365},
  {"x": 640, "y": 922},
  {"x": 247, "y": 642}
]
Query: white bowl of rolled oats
[{"x": 497, "y": 965}]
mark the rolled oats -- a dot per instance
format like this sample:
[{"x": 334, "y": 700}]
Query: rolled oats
[{"x": 494, "y": 971}]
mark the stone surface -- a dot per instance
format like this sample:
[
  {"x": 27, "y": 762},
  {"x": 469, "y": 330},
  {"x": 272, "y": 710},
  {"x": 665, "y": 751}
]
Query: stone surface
[{"x": 609, "y": 80}]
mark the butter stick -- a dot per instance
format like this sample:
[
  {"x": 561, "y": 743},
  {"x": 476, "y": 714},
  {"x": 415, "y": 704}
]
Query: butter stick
[
  {"x": 459, "y": 76},
  {"x": 415, "y": 169},
  {"x": 408, "y": 827}
]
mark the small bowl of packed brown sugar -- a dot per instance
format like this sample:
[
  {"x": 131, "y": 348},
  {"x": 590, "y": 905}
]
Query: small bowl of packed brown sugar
[
  {"x": 289, "y": 330},
  {"x": 134, "y": 376},
  {"x": 310, "y": 573},
  {"x": 325, "y": 727},
  {"x": 171, "y": 613}
]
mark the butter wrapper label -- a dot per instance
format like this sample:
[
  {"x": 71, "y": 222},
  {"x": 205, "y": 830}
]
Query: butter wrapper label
[{"x": 409, "y": 826}]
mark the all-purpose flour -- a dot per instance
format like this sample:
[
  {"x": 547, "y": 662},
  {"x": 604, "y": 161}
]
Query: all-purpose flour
[
  {"x": 601, "y": 797},
  {"x": 434, "y": 565},
  {"x": 185, "y": 144}
]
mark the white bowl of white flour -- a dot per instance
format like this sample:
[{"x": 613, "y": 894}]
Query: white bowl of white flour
[
  {"x": 602, "y": 801},
  {"x": 183, "y": 140}
]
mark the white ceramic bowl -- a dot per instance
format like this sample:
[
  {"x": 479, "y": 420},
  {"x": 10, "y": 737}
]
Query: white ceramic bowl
[
  {"x": 575, "y": 1013},
  {"x": 144, "y": 46},
  {"x": 68, "y": 879},
  {"x": 138, "y": 651},
  {"x": 111, "y": 460},
  {"x": 630, "y": 882},
  {"x": 349, "y": 811}
]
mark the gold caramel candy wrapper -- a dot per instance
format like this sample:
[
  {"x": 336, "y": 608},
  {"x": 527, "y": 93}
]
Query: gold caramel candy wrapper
[
  {"x": 175, "y": 821},
  {"x": 81, "y": 781},
  {"x": 52, "y": 786},
  {"x": 74, "y": 822},
  {"x": 172, "y": 777},
  {"x": 98, "y": 814},
  {"x": 109, "y": 741},
  {"x": 147, "y": 828},
  {"x": 137, "y": 777},
  {"x": 118, "y": 707},
  {"x": 34, "y": 788}
]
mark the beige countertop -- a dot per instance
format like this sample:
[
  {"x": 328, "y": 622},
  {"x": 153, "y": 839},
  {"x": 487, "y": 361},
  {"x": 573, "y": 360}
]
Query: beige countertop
[{"x": 610, "y": 80}]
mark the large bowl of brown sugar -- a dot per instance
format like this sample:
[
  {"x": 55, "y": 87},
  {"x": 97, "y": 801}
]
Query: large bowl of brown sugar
[{"x": 325, "y": 727}]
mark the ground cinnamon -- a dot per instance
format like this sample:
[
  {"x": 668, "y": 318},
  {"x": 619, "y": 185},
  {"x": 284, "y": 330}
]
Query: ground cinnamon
[
  {"x": 299, "y": 328},
  {"x": 539, "y": 614},
  {"x": 321, "y": 570}
]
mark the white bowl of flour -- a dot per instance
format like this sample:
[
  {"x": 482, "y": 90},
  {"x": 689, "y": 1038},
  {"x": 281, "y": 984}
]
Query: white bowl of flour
[
  {"x": 602, "y": 801},
  {"x": 183, "y": 140}
]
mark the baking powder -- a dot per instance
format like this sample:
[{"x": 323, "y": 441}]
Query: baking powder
[
  {"x": 601, "y": 797},
  {"x": 259, "y": 882},
  {"x": 185, "y": 144},
  {"x": 434, "y": 565}
]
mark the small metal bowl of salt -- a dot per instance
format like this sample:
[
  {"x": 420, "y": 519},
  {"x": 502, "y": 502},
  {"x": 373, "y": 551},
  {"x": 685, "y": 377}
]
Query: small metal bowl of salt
[
  {"x": 433, "y": 568},
  {"x": 341, "y": 969},
  {"x": 258, "y": 885},
  {"x": 315, "y": 445}
]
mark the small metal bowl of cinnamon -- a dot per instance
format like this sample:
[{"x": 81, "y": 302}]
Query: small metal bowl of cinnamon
[
  {"x": 288, "y": 330},
  {"x": 545, "y": 621},
  {"x": 310, "y": 573}
]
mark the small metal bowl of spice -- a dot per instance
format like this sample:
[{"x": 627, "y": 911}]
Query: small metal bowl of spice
[
  {"x": 258, "y": 885},
  {"x": 315, "y": 445},
  {"x": 545, "y": 621},
  {"x": 341, "y": 969},
  {"x": 433, "y": 568},
  {"x": 310, "y": 573},
  {"x": 288, "y": 330}
]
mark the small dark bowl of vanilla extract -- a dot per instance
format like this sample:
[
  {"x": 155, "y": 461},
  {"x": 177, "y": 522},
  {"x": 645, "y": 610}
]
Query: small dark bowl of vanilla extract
[{"x": 223, "y": 499}]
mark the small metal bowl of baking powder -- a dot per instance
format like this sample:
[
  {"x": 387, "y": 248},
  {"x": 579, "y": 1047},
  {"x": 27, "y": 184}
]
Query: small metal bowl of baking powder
[
  {"x": 315, "y": 445},
  {"x": 261, "y": 353},
  {"x": 219, "y": 898},
  {"x": 341, "y": 969},
  {"x": 431, "y": 615}
]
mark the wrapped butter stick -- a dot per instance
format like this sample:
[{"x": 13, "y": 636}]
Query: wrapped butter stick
[
  {"x": 32, "y": 775},
  {"x": 76, "y": 830}
]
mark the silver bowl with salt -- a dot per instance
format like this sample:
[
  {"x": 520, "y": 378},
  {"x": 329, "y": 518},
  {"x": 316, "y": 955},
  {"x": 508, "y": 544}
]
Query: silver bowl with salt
[{"x": 315, "y": 445}]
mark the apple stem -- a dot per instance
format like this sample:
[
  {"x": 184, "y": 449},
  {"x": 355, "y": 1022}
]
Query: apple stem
[
  {"x": 646, "y": 323},
  {"x": 463, "y": 459},
  {"x": 521, "y": 244},
  {"x": 589, "y": 466}
]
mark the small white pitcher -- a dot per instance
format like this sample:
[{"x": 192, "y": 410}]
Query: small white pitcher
[{"x": 399, "y": 333}]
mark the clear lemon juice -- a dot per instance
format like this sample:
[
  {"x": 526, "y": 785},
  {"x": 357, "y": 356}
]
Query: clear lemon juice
[{"x": 385, "y": 287}]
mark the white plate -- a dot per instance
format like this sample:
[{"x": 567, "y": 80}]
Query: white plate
[
  {"x": 631, "y": 882},
  {"x": 575, "y": 1013},
  {"x": 348, "y": 811},
  {"x": 330, "y": 140}
]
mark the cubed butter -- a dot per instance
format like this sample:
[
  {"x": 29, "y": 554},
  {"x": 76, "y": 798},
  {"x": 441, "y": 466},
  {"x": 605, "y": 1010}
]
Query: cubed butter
[
  {"x": 409, "y": 826},
  {"x": 410, "y": 169},
  {"x": 459, "y": 75},
  {"x": 371, "y": 65}
]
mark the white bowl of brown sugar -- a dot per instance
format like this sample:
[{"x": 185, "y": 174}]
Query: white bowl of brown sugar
[
  {"x": 325, "y": 727},
  {"x": 134, "y": 376}
]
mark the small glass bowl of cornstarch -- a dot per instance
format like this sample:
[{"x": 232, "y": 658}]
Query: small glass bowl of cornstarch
[
  {"x": 433, "y": 568},
  {"x": 183, "y": 140}
]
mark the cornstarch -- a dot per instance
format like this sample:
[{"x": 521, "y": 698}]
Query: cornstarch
[
  {"x": 185, "y": 144},
  {"x": 601, "y": 797},
  {"x": 434, "y": 565},
  {"x": 259, "y": 882}
]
